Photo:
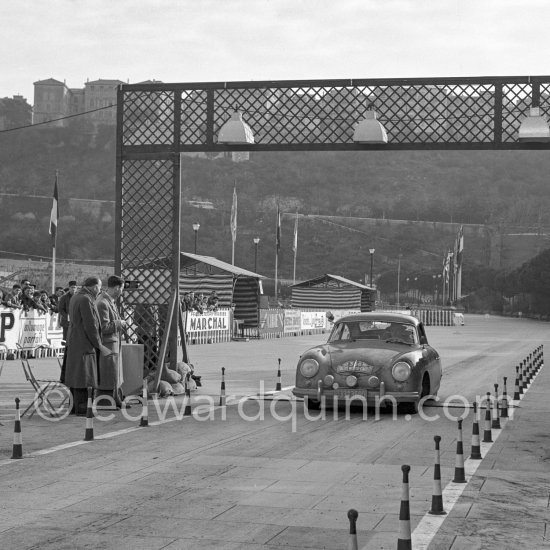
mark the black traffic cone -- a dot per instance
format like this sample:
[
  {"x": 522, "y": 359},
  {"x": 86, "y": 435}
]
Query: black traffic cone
[
  {"x": 222, "y": 392},
  {"x": 495, "y": 425},
  {"x": 437, "y": 495},
  {"x": 352, "y": 541},
  {"x": 504, "y": 402},
  {"x": 476, "y": 447},
  {"x": 404, "y": 542},
  {"x": 144, "y": 422},
  {"x": 89, "y": 435},
  {"x": 279, "y": 386},
  {"x": 487, "y": 435},
  {"x": 17, "y": 451}
]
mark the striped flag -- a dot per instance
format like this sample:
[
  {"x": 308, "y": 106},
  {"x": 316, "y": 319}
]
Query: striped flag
[
  {"x": 295, "y": 245},
  {"x": 234, "y": 215},
  {"x": 459, "y": 246},
  {"x": 54, "y": 216},
  {"x": 278, "y": 238}
]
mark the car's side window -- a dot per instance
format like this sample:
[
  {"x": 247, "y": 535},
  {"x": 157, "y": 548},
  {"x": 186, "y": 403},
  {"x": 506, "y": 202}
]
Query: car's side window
[
  {"x": 422, "y": 334},
  {"x": 345, "y": 333}
]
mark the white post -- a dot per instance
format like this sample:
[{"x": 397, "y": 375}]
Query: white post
[{"x": 53, "y": 270}]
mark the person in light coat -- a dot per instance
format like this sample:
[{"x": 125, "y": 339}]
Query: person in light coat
[
  {"x": 84, "y": 343},
  {"x": 112, "y": 327}
]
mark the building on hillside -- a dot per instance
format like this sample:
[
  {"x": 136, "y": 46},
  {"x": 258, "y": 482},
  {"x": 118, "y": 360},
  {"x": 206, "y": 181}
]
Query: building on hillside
[
  {"x": 53, "y": 100},
  {"x": 99, "y": 94}
]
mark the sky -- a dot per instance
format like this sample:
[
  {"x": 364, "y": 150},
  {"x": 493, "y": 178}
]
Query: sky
[{"x": 243, "y": 40}]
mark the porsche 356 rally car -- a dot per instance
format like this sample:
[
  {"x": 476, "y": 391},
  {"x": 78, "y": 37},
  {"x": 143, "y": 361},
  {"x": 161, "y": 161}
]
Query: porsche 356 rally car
[{"x": 367, "y": 357}]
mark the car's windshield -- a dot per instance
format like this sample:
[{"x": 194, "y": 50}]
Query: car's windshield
[{"x": 374, "y": 330}]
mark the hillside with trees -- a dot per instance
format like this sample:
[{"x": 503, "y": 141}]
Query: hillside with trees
[{"x": 505, "y": 188}]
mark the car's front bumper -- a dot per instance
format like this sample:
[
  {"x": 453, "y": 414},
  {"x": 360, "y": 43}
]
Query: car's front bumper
[{"x": 379, "y": 396}]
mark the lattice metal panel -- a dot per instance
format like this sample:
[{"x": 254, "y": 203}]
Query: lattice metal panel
[
  {"x": 146, "y": 238},
  {"x": 515, "y": 105},
  {"x": 449, "y": 113},
  {"x": 410, "y": 114},
  {"x": 193, "y": 117},
  {"x": 148, "y": 118}
]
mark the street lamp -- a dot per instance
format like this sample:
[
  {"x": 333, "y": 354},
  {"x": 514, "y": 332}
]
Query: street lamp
[
  {"x": 398, "y": 276},
  {"x": 256, "y": 241},
  {"x": 371, "y": 250},
  {"x": 435, "y": 286},
  {"x": 196, "y": 227}
]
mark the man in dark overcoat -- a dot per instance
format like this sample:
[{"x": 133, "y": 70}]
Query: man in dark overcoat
[
  {"x": 112, "y": 327},
  {"x": 63, "y": 308},
  {"x": 84, "y": 343}
]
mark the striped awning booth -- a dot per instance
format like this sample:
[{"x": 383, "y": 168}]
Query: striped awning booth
[
  {"x": 232, "y": 284},
  {"x": 332, "y": 291}
]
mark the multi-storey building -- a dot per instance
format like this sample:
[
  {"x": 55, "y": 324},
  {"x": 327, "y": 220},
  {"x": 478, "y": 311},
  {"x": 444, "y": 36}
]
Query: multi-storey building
[{"x": 54, "y": 100}]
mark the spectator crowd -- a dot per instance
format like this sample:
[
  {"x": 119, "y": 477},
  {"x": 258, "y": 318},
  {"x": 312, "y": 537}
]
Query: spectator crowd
[
  {"x": 26, "y": 297},
  {"x": 200, "y": 303}
]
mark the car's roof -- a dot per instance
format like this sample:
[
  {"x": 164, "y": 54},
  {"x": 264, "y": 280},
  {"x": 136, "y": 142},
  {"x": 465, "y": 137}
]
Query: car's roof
[{"x": 386, "y": 316}]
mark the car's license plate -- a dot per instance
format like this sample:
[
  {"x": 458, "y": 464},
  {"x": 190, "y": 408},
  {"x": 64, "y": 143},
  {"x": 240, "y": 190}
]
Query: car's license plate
[{"x": 343, "y": 393}]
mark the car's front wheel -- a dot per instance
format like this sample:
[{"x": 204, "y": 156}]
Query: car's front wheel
[
  {"x": 312, "y": 404},
  {"x": 414, "y": 408}
]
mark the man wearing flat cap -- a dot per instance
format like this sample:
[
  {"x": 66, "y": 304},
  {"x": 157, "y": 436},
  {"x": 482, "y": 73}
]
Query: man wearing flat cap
[{"x": 84, "y": 343}]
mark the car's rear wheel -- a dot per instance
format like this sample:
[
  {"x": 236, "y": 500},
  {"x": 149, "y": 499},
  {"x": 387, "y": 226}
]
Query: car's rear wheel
[{"x": 312, "y": 404}]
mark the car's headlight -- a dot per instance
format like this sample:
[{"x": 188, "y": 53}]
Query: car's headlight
[
  {"x": 401, "y": 371},
  {"x": 309, "y": 368}
]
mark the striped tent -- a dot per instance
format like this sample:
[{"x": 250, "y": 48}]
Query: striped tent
[
  {"x": 334, "y": 292},
  {"x": 232, "y": 284}
]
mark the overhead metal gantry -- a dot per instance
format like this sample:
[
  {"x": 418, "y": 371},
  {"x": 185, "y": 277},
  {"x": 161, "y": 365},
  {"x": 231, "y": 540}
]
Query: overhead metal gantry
[{"x": 156, "y": 122}]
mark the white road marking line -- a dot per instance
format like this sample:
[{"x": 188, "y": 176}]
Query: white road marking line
[{"x": 428, "y": 526}]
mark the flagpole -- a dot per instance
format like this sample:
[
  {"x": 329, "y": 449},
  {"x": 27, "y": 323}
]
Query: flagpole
[
  {"x": 53, "y": 216},
  {"x": 295, "y": 247},
  {"x": 294, "y": 274},
  {"x": 233, "y": 223},
  {"x": 277, "y": 246},
  {"x": 53, "y": 270}
]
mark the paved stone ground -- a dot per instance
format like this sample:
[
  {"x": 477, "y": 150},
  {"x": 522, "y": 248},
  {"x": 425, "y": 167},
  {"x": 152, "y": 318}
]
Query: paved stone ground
[{"x": 236, "y": 484}]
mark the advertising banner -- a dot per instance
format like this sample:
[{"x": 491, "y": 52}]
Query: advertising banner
[
  {"x": 10, "y": 327},
  {"x": 312, "y": 320},
  {"x": 33, "y": 329},
  {"x": 271, "y": 320},
  {"x": 54, "y": 332},
  {"x": 339, "y": 313},
  {"x": 207, "y": 321},
  {"x": 292, "y": 321}
]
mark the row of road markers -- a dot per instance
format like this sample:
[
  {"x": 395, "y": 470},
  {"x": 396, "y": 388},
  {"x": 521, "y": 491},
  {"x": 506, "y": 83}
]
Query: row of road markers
[
  {"x": 426, "y": 529},
  {"x": 17, "y": 451}
]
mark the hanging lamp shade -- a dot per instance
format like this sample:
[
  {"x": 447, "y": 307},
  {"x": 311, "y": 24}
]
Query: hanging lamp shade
[
  {"x": 369, "y": 130},
  {"x": 236, "y": 131},
  {"x": 534, "y": 127}
]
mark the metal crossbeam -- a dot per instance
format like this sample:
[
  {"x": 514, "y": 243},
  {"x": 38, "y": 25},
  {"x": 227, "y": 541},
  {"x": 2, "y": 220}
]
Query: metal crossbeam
[
  {"x": 156, "y": 122},
  {"x": 438, "y": 113}
]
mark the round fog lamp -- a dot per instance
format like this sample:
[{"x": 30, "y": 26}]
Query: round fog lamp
[
  {"x": 401, "y": 371},
  {"x": 373, "y": 381},
  {"x": 351, "y": 380},
  {"x": 328, "y": 380}
]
